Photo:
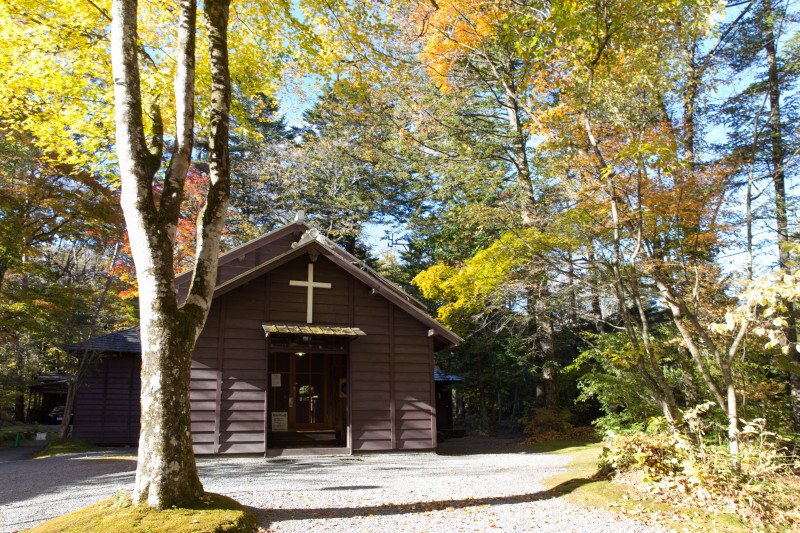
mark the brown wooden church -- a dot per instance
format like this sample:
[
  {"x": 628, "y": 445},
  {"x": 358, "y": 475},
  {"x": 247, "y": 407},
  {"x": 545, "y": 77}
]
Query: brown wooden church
[{"x": 304, "y": 346}]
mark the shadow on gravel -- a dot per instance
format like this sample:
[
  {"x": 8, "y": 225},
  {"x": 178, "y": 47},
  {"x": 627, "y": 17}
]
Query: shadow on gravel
[
  {"x": 352, "y": 487},
  {"x": 92, "y": 473},
  {"x": 271, "y": 516},
  {"x": 484, "y": 446}
]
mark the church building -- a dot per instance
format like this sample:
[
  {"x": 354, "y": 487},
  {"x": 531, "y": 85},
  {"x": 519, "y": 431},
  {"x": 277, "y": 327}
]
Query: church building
[{"x": 305, "y": 348}]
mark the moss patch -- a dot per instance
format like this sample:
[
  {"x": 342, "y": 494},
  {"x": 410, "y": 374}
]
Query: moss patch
[
  {"x": 64, "y": 446},
  {"x": 213, "y": 514},
  {"x": 580, "y": 486}
]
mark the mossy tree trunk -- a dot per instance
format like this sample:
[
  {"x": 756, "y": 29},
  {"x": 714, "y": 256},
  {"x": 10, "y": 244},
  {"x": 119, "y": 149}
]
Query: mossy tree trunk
[{"x": 166, "y": 473}]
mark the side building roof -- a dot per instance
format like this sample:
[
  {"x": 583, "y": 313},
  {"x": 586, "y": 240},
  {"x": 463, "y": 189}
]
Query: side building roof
[{"x": 122, "y": 341}]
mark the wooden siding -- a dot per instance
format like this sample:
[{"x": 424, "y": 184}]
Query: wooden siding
[
  {"x": 107, "y": 408},
  {"x": 390, "y": 378},
  {"x": 390, "y": 391},
  {"x": 228, "y": 386}
]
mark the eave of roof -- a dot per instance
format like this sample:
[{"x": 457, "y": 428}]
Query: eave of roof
[
  {"x": 438, "y": 375},
  {"x": 123, "y": 341}
]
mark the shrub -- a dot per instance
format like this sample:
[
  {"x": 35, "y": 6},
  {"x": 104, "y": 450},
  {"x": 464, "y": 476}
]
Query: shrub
[
  {"x": 541, "y": 420},
  {"x": 675, "y": 468},
  {"x": 657, "y": 456}
]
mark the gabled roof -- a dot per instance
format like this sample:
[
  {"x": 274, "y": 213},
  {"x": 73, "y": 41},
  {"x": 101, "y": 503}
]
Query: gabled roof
[
  {"x": 269, "y": 251},
  {"x": 312, "y": 239},
  {"x": 275, "y": 242}
]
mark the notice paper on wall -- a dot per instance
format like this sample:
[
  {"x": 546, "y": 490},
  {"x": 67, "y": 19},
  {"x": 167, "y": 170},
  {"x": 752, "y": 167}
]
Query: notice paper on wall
[
  {"x": 276, "y": 380},
  {"x": 280, "y": 421}
]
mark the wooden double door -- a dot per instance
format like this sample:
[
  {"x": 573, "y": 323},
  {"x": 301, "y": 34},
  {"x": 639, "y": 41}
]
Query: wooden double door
[{"x": 305, "y": 391}]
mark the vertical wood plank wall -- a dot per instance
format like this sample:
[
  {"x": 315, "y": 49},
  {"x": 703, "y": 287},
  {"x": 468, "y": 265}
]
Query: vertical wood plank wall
[
  {"x": 107, "y": 407},
  {"x": 392, "y": 399}
]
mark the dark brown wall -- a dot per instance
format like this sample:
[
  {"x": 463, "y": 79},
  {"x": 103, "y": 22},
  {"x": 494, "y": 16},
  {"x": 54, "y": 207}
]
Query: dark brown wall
[
  {"x": 107, "y": 404},
  {"x": 391, "y": 368}
]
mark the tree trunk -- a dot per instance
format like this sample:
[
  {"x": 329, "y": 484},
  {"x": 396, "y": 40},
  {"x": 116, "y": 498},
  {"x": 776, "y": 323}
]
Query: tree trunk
[
  {"x": 166, "y": 473},
  {"x": 550, "y": 365},
  {"x": 89, "y": 357},
  {"x": 482, "y": 394},
  {"x": 779, "y": 182},
  {"x": 19, "y": 408},
  {"x": 63, "y": 431}
]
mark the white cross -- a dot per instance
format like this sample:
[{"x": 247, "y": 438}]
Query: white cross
[{"x": 311, "y": 284}]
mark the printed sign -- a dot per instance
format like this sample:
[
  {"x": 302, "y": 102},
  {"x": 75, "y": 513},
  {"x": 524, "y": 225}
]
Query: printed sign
[
  {"x": 276, "y": 380},
  {"x": 280, "y": 421}
]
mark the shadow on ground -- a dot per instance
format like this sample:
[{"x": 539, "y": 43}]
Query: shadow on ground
[
  {"x": 267, "y": 517},
  {"x": 480, "y": 446},
  {"x": 552, "y": 446}
]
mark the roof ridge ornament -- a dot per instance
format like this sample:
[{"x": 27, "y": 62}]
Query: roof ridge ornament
[{"x": 312, "y": 235}]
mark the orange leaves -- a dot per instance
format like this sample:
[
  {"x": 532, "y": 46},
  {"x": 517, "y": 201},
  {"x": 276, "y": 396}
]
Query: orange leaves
[
  {"x": 194, "y": 198},
  {"x": 453, "y": 29}
]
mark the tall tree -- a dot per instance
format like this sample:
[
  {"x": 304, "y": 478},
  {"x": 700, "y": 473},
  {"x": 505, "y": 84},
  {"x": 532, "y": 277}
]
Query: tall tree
[
  {"x": 762, "y": 133},
  {"x": 166, "y": 472}
]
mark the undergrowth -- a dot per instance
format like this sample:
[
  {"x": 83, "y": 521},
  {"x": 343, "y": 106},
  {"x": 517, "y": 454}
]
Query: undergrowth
[
  {"x": 674, "y": 467},
  {"x": 544, "y": 425}
]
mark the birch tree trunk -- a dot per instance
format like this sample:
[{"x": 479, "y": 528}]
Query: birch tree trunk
[{"x": 166, "y": 472}]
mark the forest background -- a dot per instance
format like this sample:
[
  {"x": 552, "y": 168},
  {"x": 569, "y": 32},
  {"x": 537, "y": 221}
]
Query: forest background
[{"x": 600, "y": 197}]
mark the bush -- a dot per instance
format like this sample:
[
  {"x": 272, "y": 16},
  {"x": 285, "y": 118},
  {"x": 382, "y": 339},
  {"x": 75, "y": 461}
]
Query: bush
[
  {"x": 657, "y": 456},
  {"x": 672, "y": 467},
  {"x": 544, "y": 420}
]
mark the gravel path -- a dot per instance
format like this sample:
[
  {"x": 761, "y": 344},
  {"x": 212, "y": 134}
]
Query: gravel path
[{"x": 371, "y": 493}]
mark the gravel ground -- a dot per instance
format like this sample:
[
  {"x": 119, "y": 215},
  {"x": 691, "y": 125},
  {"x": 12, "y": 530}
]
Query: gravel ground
[{"x": 481, "y": 488}]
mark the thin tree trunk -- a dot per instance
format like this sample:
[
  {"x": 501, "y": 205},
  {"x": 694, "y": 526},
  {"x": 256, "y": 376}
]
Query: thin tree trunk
[
  {"x": 89, "y": 357},
  {"x": 779, "y": 181},
  {"x": 482, "y": 394},
  {"x": 667, "y": 408},
  {"x": 550, "y": 366}
]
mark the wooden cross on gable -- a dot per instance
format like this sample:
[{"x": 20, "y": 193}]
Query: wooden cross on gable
[{"x": 311, "y": 285}]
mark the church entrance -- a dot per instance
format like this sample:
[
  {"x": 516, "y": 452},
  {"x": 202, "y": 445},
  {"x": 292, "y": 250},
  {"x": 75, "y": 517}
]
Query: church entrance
[{"x": 307, "y": 395}]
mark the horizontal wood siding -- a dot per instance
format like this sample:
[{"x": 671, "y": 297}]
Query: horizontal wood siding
[
  {"x": 244, "y": 364},
  {"x": 413, "y": 395},
  {"x": 390, "y": 380},
  {"x": 203, "y": 385},
  {"x": 370, "y": 372},
  {"x": 228, "y": 375},
  {"x": 107, "y": 407}
]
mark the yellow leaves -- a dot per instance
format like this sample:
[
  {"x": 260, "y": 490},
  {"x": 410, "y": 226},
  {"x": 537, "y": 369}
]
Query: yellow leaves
[
  {"x": 55, "y": 73},
  {"x": 453, "y": 30},
  {"x": 491, "y": 276},
  {"x": 730, "y": 322},
  {"x": 765, "y": 303}
]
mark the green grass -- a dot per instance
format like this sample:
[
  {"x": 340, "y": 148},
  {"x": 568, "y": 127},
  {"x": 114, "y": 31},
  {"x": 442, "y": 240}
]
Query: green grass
[
  {"x": 8, "y": 434},
  {"x": 64, "y": 446},
  {"x": 579, "y": 486},
  {"x": 215, "y": 514}
]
